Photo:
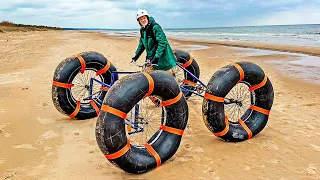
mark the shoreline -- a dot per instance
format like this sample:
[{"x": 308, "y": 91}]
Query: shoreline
[
  {"x": 298, "y": 57},
  {"x": 301, "y": 49},
  {"x": 309, "y": 50}
]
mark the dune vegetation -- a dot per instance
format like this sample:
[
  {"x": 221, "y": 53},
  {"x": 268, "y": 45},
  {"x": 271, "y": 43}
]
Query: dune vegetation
[{"x": 6, "y": 26}]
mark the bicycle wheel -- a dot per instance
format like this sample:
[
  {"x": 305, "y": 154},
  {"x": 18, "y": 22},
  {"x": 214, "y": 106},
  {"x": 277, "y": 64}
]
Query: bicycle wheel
[
  {"x": 237, "y": 102},
  {"x": 186, "y": 81},
  {"x": 123, "y": 96},
  {"x": 71, "y": 84},
  {"x": 143, "y": 122}
]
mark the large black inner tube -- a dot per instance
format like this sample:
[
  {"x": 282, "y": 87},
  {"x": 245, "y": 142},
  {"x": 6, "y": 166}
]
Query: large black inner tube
[
  {"x": 192, "y": 66},
  {"x": 255, "y": 118},
  {"x": 63, "y": 99},
  {"x": 122, "y": 97}
]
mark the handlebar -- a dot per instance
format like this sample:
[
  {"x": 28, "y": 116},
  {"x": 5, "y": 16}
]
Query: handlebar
[{"x": 147, "y": 63}]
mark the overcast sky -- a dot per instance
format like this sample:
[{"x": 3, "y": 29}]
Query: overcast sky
[{"x": 168, "y": 13}]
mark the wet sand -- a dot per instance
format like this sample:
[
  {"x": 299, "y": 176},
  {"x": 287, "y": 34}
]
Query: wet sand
[{"x": 37, "y": 142}]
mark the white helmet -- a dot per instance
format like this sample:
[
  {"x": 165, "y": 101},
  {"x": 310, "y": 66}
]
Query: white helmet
[{"x": 141, "y": 12}]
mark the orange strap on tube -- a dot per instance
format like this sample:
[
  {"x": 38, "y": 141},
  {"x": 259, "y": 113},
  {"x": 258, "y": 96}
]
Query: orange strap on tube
[
  {"x": 129, "y": 128},
  {"x": 95, "y": 107},
  {"x": 63, "y": 85},
  {"x": 189, "y": 82},
  {"x": 104, "y": 88},
  {"x": 82, "y": 62},
  {"x": 151, "y": 83},
  {"x": 213, "y": 98},
  {"x": 75, "y": 112},
  {"x": 119, "y": 153},
  {"x": 105, "y": 69},
  {"x": 188, "y": 63},
  {"x": 153, "y": 153},
  {"x": 264, "y": 81},
  {"x": 226, "y": 129},
  {"x": 172, "y": 101},
  {"x": 245, "y": 127},
  {"x": 261, "y": 110},
  {"x": 241, "y": 72},
  {"x": 172, "y": 130},
  {"x": 113, "y": 111}
]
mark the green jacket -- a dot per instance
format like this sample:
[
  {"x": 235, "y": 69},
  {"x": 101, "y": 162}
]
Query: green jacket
[{"x": 160, "y": 49}]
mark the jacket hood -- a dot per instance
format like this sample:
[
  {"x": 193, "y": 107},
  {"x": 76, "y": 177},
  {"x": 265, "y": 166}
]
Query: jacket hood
[{"x": 151, "y": 19}]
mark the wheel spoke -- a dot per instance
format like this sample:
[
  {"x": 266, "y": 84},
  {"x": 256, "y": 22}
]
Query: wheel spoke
[
  {"x": 149, "y": 118},
  {"x": 81, "y": 88},
  {"x": 240, "y": 99}
]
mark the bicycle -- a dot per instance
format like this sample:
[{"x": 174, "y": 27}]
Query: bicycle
[{"x": 236, "y": 105}]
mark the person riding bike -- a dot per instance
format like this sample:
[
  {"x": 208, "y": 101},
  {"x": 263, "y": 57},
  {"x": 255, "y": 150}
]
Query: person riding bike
[{"x": 154, "y": 41}]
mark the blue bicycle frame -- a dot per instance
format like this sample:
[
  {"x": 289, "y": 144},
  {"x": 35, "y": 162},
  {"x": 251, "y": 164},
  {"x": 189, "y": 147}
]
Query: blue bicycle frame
[{"x": 134, "y": 122}]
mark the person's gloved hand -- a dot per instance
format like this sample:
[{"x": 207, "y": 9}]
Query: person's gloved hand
[
  {"x": 155, "y": 60},
  {"x": 134, "y": 59}
]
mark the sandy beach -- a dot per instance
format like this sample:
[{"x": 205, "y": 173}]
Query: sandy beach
[{"x": 37, "y": 142}]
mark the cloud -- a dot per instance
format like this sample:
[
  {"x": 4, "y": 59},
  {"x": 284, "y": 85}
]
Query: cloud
[
  {"x": 169, "y": 13},
  {"x": 307, "y": 15}
]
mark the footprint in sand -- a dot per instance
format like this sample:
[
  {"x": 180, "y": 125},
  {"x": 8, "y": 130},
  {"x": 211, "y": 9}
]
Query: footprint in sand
[
  {"x": 3, "y": 125},
  {"x": 310, "y": 126},
  {"x": 12, "y": 78},
  {"x": 269, "y": 145},
  {"x": 24, "y": 146},
  {"x": 196, "y": 149},
  {"x": 44, "y": 121},
  {"x": 7, "y": 135},
  {"x": 50, "y": 153},
  {"x": 273, "y": 161},
  {"x": 185, "y": 158},
  {"x": 47, "y": 148},
  {"x": 2, "y": 160},
  {"x": 210, "y": 170},
  {"x": 47, "y": 135},
  {"x": 10, "y": 174},
  {"x": 247, "y": 168},
  {"x": 315, "y": 147},
  {"x": 311, "y": 170},
  {"x": 311, "y": 104},
  {"x": 2, "y": 132}
]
